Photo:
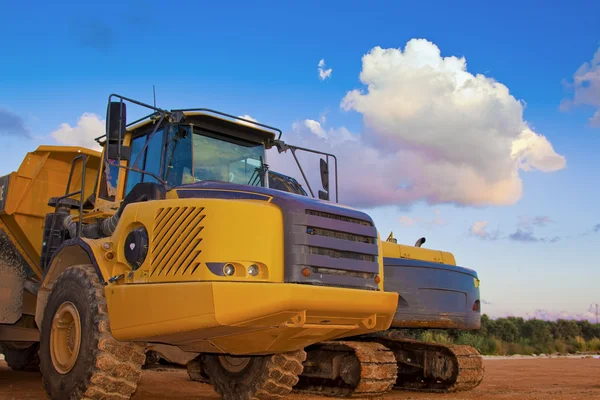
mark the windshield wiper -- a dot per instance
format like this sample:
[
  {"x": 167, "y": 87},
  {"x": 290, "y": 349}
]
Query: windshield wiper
[
  {"x": 259, "y": 174},
  {"x": 176, "y": 137}
]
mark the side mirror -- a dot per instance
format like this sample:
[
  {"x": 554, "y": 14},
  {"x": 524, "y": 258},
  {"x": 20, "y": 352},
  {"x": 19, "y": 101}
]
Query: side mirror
[
  {"x": 116, "y": 125},
  {"x": 116, "y": 121},
  {"x": 325, "y": 175},
  {"x": 323, "y": 195}
]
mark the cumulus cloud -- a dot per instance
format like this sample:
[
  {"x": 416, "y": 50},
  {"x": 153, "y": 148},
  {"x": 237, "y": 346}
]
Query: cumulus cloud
[
  {"x": 454, "y": 136},
  {"x": 480, "y": 230},
  {"x": 89, "y": 126},
  {"x": 432, "y": 132},
  {"x": 12, "y": 124},
  {"x": 586, "y": 89},
  {"x": 324, "y": 73}
]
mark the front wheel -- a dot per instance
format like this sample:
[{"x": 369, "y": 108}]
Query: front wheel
[
  {"x": 79, "y": 357},
  {"x": 256, "y": 377}
]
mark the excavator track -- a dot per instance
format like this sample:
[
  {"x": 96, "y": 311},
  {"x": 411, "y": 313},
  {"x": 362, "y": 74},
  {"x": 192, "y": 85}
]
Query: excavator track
[
  {"x": 348, "y": 369},
  {"x": 433, "y": 367}
]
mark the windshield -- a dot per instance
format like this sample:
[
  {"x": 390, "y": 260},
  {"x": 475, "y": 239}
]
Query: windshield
[{"x": 194, "y": 155}]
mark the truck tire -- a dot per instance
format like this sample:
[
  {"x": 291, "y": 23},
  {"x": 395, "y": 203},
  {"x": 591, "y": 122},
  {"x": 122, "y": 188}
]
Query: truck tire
[
  {"x": 256, "y": 377},
  {"x": 22, "y": 358},
  {"x": 79, "y": 357},
  {"x": 195, "y": 369}
]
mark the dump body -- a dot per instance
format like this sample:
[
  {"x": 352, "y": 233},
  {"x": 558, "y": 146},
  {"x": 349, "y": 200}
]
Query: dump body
[
  {"x": 43, "y": 174},
  {"x": 24, "y": 196}
]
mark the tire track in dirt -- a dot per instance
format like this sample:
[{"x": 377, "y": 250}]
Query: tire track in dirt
[{"x": 521, "y": 379}]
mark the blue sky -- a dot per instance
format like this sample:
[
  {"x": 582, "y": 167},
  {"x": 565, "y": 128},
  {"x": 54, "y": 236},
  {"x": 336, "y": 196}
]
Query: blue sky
[{"x": 62, "y": 60}]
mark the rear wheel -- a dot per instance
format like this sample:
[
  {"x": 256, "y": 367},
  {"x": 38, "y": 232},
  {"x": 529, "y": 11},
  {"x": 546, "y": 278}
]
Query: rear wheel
[
  {"x": 254, "y": 378},
  {"x": 78, "y": 355},
  {"x": 21, "y": 358}
]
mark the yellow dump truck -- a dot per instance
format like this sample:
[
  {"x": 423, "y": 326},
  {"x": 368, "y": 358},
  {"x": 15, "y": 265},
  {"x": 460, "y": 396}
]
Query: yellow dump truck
[{"x": 172, "y": 237}]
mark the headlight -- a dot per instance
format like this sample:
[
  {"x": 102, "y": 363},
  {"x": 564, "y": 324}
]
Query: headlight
[
  {"x": 253, "y": 270},
  {"x": 229, "y": 269}
]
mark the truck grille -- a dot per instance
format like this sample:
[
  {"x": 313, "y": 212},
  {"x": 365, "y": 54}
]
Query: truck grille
[
  {"x": 339, "y": 235},
  {"x": 340, "y": 250},
  {"x": 350, "y": 255},
  {"x": 338, "y": 217}
]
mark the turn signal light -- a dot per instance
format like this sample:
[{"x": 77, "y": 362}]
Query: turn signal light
[
  {"x": 476, "y": 305},
  {"x": 306, "y": 272},
  {"x": 377, "y": 279}
]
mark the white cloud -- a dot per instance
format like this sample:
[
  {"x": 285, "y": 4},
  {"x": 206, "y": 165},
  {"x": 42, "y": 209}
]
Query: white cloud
[
  {"x": 324, "y": 73},
  {"x": 89, "y": 126},
  {"x": 247, "y": 117},
  {"x": 480, "y": 229},
  {"x": 586, "y": 88},
  {"x": 428, "y": 223},
  {"x": 315, "y": 127},
  {"x": 432, "y": 132},
  {"x": 323, "y": 116}
]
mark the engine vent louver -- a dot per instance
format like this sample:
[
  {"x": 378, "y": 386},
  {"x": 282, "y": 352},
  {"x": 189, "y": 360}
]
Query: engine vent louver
[{"x": 175, "y": 246}]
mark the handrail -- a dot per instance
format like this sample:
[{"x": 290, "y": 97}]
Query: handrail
[{"x": 80, "y": 192}]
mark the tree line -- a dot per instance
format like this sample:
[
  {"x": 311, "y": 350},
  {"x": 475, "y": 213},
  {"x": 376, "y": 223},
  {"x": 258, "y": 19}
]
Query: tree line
[{"x": 515, "y": 335}]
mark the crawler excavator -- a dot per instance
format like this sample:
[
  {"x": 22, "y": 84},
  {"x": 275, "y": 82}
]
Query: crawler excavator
[
  {"x": 434, "y": 293},
  {"x": 171, "y": 237}
]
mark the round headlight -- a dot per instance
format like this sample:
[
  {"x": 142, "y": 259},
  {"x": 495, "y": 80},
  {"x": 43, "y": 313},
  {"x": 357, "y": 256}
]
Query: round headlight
[
  {"x": 136, "y": 247},
  {"x": 253, "y": 270},
  {"x": 228, "y": 269}
]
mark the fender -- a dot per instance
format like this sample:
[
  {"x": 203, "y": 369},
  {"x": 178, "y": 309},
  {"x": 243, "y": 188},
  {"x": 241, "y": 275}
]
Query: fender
[{"x": 76, "y": 251}]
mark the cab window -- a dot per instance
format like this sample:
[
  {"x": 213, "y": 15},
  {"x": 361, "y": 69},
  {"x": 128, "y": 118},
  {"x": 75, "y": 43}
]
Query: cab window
[
  {"x": 133, "y": 178},
  {"x": 108, "y": 184},
  {"x": 150, "y": 161}
]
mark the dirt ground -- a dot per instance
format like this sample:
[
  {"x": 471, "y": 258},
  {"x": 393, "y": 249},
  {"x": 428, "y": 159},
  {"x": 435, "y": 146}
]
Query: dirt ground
[{"x": 525, "y": 379}]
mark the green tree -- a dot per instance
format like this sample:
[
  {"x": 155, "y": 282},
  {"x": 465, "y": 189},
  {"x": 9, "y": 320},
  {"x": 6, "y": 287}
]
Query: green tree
[
  {"x": 537, "y": 331},
  {"x": 566, "y": 330},
  {"x": 588, "y": 330},
  {"x": 506, "y": 330}
]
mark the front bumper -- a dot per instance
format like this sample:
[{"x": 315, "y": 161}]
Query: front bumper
[{"x": 244, "y": 318}]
